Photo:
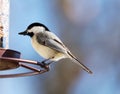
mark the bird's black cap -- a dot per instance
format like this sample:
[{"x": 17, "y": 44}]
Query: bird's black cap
[{"x": 37, "y": 24}]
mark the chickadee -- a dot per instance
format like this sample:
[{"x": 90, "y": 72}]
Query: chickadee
[{"x": 48, "y": 45}]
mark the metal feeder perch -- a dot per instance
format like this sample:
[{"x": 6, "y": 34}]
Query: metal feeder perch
[{"x": 10, "y": 59}]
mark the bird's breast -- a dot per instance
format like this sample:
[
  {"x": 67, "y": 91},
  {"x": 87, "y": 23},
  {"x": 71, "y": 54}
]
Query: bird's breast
[{"x": 42, "y": 50}]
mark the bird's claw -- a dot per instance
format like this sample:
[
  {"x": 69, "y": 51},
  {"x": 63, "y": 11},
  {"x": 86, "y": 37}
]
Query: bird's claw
[{"x": 44, "y": 65}]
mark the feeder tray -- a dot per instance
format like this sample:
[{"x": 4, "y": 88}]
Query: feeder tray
[
  {"x": 8, "y": 64},
  {"x": 10, "y": 59}
]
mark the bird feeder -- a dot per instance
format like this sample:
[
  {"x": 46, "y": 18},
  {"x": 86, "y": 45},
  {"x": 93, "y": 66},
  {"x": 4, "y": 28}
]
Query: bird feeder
[{"x": 10, "y": 59}]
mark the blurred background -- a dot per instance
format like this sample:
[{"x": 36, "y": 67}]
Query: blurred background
[{"x": 89, "y": 28}]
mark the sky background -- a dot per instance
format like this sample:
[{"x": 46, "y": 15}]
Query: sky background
[{"x": 89, "y": 28}]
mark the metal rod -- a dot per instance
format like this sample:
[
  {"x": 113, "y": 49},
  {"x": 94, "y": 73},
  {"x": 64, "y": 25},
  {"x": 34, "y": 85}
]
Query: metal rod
[
  {"x": 29, "y": 67},
  {"x": 22, "y": 74},
  {"x": 20, "y": 60},
  {"x": 36, "y": 71},
  {"x": 19, "y": 75}
]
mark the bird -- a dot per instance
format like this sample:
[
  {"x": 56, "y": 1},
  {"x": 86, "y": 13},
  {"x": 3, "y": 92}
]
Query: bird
[{"x": 48, "y": 45}]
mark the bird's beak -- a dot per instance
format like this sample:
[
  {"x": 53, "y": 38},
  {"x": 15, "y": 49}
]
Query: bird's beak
[{"x": 23, "y": 33}]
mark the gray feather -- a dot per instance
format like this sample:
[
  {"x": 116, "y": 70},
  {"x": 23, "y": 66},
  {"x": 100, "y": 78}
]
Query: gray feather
[{"x": 46, "y": 40}]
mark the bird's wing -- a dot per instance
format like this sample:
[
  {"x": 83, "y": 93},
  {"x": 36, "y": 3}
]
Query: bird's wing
[{"x": 52, "y": 41}]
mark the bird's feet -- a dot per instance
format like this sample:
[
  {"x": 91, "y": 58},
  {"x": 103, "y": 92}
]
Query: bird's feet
[{"x": 44, "y": 65}]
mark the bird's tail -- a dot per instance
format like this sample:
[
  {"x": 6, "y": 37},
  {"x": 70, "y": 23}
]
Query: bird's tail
[{"x": 79, "y": 63}]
